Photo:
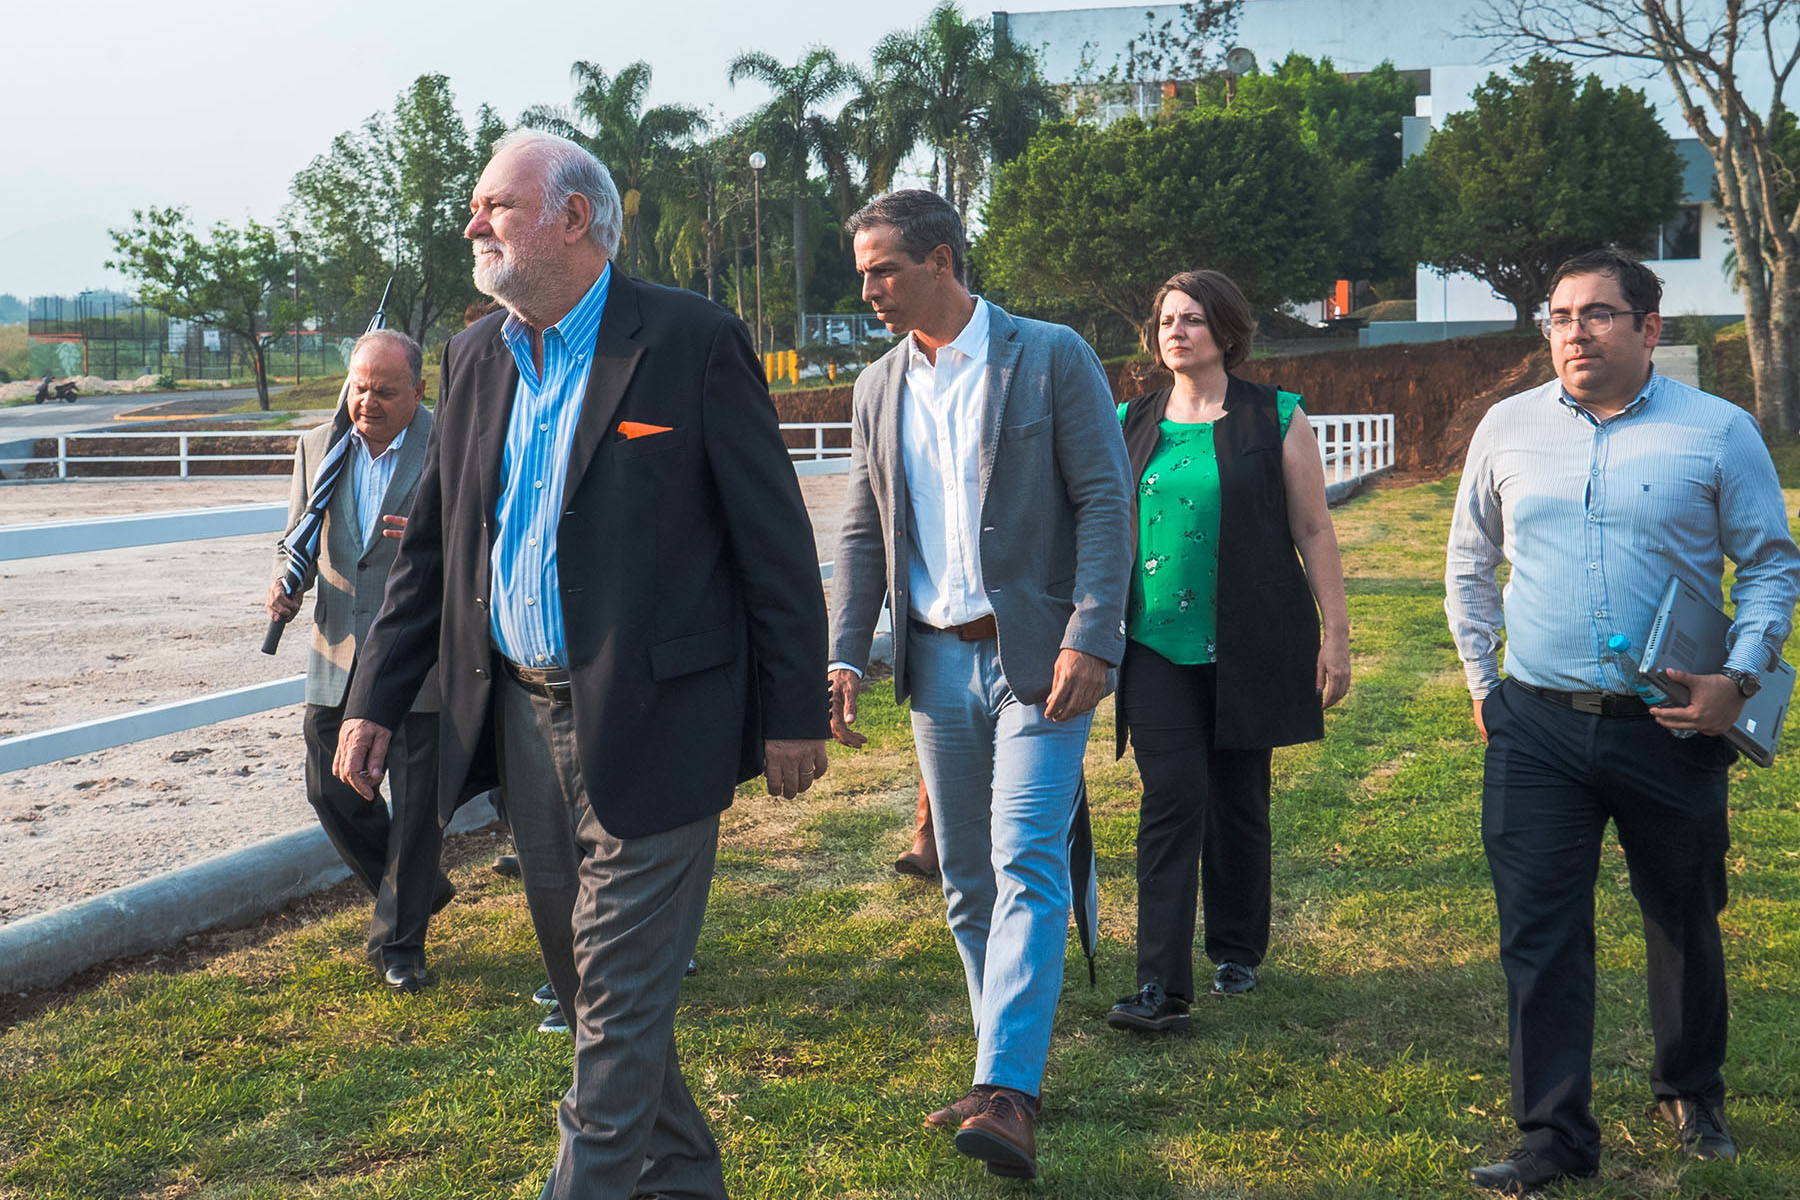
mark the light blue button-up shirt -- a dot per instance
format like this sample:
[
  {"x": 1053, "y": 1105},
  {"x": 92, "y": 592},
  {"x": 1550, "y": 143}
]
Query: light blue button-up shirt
[
  {"x": 1595, "y": 516},
  {"x": 372, "y": 474},
  {"x": 526, "y": 605}
]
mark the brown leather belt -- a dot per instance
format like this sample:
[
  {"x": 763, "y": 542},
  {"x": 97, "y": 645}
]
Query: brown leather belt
[
  {"x": 552, "y": 683},
  {"x": 980, "y": 629},
  {"x": 1595, "y": 704}
]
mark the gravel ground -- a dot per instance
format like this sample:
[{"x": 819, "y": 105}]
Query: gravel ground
[{"x": 95, "y": 635}]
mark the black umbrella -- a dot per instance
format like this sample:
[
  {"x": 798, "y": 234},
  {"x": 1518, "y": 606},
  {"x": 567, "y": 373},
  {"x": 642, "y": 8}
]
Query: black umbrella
[
  {"x": 1084, "y": 878},
  {"x": 301, "y": 544}
]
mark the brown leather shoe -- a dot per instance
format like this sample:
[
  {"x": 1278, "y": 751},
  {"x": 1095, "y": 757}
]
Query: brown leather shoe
[
  {"x": 955, "y": 1113},
  {"x": 1003, "y": 1135},
  {"x": 922, "y": 859}
]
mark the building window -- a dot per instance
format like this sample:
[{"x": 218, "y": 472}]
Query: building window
[{"x": 1679, "y": 236}]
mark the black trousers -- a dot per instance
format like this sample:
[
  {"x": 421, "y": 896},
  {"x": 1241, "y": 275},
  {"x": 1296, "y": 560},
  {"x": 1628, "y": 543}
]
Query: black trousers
[
  {"x": 1203, "y": 827},
  {"x": 1554, "y": 778},
  {"x": 395, "y": 857}
]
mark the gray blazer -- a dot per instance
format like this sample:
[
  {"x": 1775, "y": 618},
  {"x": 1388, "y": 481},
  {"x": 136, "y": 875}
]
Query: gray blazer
[
  {"x": 351, "y": 577},
  {"x": 1055, "y": 508}
]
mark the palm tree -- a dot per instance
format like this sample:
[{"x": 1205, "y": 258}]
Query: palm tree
[
  {"x": 973, "y": 98},
  {"x": 794, "y": 133},
  {"x": 607, "y": 115}
]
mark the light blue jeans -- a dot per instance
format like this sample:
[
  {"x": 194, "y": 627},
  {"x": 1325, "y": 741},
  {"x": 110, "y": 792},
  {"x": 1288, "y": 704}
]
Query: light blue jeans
[{"x": 1003, "y": 780}]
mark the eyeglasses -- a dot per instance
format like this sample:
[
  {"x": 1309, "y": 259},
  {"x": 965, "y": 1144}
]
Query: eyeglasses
[{"x": 1594, "y": 323}]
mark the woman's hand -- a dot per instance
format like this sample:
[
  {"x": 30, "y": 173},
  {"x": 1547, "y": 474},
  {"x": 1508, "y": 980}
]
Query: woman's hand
[{"x": 1333, "y": 676}]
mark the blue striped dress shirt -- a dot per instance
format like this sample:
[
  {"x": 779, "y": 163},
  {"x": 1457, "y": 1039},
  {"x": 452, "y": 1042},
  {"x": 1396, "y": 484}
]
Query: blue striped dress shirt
[
  {"x": 1595, "y": 516},
  {"x": 372, "y": 476},
  {"x": 527, "y": 621}
]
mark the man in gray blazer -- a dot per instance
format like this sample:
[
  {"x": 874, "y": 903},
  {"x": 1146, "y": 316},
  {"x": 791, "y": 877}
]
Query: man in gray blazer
[
  {"x": 395, "y": 857},
  {"x": 989, "y": 498}
]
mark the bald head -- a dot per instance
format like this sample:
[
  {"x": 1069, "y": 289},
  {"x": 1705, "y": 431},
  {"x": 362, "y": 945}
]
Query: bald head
[{"x": 386, "y": 387}]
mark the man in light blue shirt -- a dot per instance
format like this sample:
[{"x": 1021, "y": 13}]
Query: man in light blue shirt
[{"x": 1596, "y": 488}]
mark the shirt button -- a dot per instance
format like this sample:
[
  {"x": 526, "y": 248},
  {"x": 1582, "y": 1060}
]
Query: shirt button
[
  {"x": 531, "y": 541},
  {"x": 1593, "y": 566},
  {"x": 538, "y": 484},
  {"x": 543, "y": 658},
  {"x": 529, "y": 602},
  {"x": 1592, "y": 517},
  {"x": 545, "y": 426}
]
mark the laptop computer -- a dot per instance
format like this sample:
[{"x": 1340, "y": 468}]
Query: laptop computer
[{"x": 1688, "y": 633}]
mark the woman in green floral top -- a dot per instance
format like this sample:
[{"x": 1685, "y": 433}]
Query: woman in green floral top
[{"x": 1236, "y": 562}]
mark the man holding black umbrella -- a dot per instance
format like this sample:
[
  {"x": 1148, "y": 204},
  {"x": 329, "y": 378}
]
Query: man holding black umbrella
[{"x": 396, "y": 857}]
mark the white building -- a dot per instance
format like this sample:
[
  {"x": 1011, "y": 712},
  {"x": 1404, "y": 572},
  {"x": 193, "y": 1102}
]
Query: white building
[{"x": 1434, "y": 41}]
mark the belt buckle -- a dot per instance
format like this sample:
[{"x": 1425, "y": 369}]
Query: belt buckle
[{"x": 1591, "y": 703}]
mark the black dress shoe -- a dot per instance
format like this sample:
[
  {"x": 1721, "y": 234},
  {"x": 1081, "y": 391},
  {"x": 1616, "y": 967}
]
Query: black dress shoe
[
  {"x": 1701, "y": 1128},
  {"x": 1150, "y": 1010},
  {"x": 407, "y": 977},
  {"x": 1233, "y": 979},
  {"x": 1522, "y": 1173},
  {"x": 507, "y": 865}
]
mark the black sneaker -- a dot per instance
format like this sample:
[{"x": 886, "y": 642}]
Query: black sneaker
[
  {"x": 1233, "y": 979},
  {"x": 1150, "y": 1010},
  {"x": 545, "y": 995},
  {"x": 1700, "y": 1127}
]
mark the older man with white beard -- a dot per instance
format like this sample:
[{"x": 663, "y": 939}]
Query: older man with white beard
[{"x": 611, "y": 564}]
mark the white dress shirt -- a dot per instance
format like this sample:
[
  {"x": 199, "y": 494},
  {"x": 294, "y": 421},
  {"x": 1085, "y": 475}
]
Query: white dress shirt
[
  {"x": 941, "y": 413},
  {"x": 372, "y": 474}
]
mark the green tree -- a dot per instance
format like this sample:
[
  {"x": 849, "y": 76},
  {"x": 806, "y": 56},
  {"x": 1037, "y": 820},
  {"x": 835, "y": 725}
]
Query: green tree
[
  {"x": 1105, "y": 215},
  {"x": 705, "y": 203},
  {"x": 1353, "y": 123},
  {"x": 391, "y": 199},
  {"x": 974, "y": 99},
  {"x": 790, "y": 130},
  {"x": 607, "y": 115},
  {"x": 233, "y": 279},
  {"x": 1542, "y": 167}
]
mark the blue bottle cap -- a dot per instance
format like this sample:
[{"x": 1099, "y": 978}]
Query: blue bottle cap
[{"x": 1618, "y": 642}]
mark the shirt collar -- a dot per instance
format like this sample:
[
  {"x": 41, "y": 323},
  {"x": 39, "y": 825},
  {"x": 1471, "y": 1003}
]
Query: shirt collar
[
  {"x": 576, "y": 330},
  {"x": 970, "y": 343},
  {"x": 1637, "y": 404},
  {"x": 363, "y": 442}
]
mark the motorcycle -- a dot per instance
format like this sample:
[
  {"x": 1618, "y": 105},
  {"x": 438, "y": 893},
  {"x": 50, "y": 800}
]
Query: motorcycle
[{"x": 66, "y": 392}]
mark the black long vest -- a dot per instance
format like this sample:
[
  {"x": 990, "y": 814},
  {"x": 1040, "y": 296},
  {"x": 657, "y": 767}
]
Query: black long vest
[{"x": 1268, "y": 642}]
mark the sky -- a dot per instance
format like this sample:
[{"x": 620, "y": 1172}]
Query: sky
[{"x": 116, "y": 105}]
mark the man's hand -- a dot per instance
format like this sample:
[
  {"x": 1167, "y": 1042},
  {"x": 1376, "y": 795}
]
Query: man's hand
[
  {"x": 362, "y": 755},
  {"x": 279, "y": 605},
  {"x": 392, "y": 526},
  {"x": 792, "y": 766},
  {"x": 1076, "y": 684},
  {"x": 1714, "y": 703},
  {"x": 844, "y": 686},
  {"x": 1333, "y": 672},
  {"x": 1480, "y": 725}
]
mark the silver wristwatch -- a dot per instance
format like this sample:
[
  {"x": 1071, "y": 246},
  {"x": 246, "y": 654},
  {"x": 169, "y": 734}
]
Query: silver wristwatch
[{"x": 1748, "y": 683}]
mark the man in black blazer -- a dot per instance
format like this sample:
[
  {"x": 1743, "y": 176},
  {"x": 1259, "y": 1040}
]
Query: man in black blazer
[{"x": 610, "y": 562}]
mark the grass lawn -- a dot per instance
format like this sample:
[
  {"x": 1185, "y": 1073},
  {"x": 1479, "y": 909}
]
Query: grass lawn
[{"x": 829, "y": 1014}]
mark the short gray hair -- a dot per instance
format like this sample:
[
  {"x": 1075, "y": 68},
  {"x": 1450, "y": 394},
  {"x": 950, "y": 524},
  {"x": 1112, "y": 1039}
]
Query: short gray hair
[
  {"x": 925, "y": 221},
  {"x": 415, "y": 358},
  {"x": 570, "y": 169}
]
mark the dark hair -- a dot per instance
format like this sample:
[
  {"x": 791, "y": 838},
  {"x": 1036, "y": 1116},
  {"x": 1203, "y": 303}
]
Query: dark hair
[
  {"x": 925, "y": 220},
  {"x": 480, "y": 309},
  {"x": 1642, "y": 288},
  {"x": 1227, "y": 313}
]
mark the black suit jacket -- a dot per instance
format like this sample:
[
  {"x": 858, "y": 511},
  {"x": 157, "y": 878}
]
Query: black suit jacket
[{"x": 692, "y": 610}]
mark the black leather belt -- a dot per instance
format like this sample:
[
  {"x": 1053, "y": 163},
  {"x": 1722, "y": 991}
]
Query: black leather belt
[
  {"x": 977, "y": 630},
  {"x": 552, "y": 683},
  {"x": 1595, "y": 704}
]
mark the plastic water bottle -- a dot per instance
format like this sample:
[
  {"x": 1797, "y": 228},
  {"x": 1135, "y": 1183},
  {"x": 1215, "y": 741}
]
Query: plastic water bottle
[{"x": 1655, "y": 697}]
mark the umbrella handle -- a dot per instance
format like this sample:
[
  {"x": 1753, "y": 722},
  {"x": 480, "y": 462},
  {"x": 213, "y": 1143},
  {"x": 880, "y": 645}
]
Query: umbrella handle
[{"x": 272, "y": 639}]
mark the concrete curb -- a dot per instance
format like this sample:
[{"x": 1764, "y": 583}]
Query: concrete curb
[{"x": 232, "y": 889}]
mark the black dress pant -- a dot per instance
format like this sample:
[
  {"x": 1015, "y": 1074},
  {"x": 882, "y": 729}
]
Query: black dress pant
[
  {"x": 1203, "y": 828},
  {"x": 395, "y": 857},
  {"x": 1554, "y": 778}
]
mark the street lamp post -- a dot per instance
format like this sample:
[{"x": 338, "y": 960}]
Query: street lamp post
[
  {"x": 294, "y": 235},
  {"x": 757, "y": 162}
]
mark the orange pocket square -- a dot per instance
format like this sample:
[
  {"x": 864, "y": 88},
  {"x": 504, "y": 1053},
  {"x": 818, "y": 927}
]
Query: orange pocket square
[{"x": 637, "y": 429}]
